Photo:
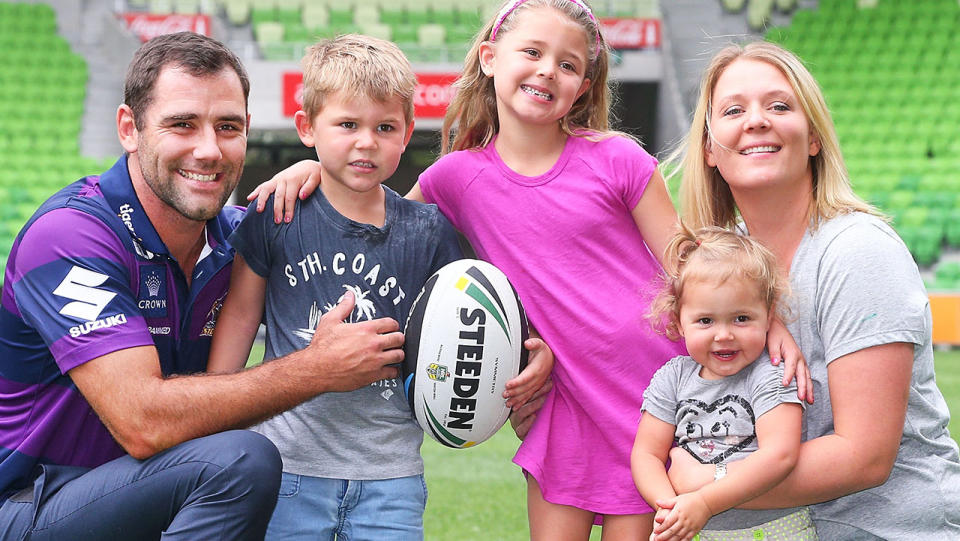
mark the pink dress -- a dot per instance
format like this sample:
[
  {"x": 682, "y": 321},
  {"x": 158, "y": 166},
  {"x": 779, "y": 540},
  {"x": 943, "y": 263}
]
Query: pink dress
[{"x": 568, "y": 242}]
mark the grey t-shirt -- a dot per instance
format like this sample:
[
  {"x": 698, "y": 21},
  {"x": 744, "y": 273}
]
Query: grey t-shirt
[
  {"x": 309, "y": 263},
  {"x": 716, "y": 418},
  {"x": 856, "y": 286}
]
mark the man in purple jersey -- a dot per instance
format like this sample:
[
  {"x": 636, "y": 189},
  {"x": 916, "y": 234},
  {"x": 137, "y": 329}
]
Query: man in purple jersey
[{"x": 112, "y": 291}]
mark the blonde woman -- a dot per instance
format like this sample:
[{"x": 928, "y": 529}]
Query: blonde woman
[{"x": 762, "y": 154}]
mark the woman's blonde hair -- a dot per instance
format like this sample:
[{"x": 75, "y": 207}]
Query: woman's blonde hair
[
  {"x": 704, "y": 194},
  {"x": 474, "y": 107},
  {"x": 713, "y": 254}
]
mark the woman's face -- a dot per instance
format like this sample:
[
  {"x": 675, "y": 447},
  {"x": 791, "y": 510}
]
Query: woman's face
[{"x": 761, "y": 137}]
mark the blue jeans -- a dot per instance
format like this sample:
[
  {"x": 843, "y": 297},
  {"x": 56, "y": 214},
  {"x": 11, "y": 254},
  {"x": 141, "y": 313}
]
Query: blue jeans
[
  {"x": 222, "y": 486},
  {"x": 320, "y": 508}
]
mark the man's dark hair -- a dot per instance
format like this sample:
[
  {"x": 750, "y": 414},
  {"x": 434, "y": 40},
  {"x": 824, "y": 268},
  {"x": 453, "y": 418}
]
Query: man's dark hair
[{"x": 199, "y": 55}]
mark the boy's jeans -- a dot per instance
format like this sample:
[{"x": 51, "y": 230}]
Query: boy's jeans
[{"x": 320, "y": 508}]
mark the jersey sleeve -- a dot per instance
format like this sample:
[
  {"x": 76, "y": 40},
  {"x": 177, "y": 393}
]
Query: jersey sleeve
[
  {"x": 869, "y": 292},
  {"x": 75, "y": 289},
  {"x": 249, "y": 239}
]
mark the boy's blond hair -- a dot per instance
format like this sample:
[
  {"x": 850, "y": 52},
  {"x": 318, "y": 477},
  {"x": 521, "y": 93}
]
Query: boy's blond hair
[
  {"x": 360, "y": 67},
  {"x": 714, "y": 255}
]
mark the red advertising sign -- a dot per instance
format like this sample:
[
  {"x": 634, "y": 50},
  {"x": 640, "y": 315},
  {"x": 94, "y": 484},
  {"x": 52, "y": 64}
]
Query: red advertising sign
[
  {"x": 631, "y": 33},
  {"x": 430, "y": 100},
  {"x": 434, "y": 93},
  {"x": 146, "y": 25},
  {"x": 292, "y": 92}
]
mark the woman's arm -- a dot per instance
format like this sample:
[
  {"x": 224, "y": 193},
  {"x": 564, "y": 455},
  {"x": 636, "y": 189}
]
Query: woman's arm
[
  {"x": 868, "y": 391},
  {"x": 239, "y": 319}
]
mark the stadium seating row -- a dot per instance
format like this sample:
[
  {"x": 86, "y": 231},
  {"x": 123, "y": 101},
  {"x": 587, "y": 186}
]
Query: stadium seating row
[
  {"x": 42, "y": 89},
  {"x": 891, "y": 74}
]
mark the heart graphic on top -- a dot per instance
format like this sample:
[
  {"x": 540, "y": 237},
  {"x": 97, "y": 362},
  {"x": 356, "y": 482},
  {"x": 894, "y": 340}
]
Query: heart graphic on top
[{"x": 713, "y": 432}]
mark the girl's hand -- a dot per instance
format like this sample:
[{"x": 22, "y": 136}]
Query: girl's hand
[
  {"x": 783, "y": 348},
  {"x": 521, "y": 389},
  {"x": 297, "y": 181},
  {"x": 686, "y": 474},
  {"x": 522, "y": 418}
]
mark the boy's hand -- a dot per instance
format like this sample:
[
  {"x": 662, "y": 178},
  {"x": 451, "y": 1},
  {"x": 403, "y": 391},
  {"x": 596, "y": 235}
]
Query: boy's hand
[
  {"x": 297, "y": 181},
  {"x": 688, "y": 513},
  {"x": 521, "y": 389},
  {"x": 349, "y": 356}
]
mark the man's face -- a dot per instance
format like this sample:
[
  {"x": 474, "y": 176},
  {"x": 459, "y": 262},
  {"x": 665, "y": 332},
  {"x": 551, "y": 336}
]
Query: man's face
[{"x": 193, "y": 142}]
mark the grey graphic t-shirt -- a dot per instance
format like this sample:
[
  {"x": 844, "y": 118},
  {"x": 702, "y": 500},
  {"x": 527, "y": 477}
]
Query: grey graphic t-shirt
[
  {"x": 716, "y": 419},
  {"x": 309, "y": 263}
]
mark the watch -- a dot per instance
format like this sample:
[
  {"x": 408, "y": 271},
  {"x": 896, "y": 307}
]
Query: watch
[{"x": 720, "y": 471}]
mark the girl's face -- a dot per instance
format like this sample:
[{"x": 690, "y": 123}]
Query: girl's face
[
  {"x": 761, "y": 136},
  {"x": 538, "y": 67},
  {"x": 724, "y": 324}
]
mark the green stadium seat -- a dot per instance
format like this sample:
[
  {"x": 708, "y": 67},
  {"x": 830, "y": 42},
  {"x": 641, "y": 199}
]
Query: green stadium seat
[
  {"x": 315, "y": 15},
  {"x": 366, "y": 15},
  {"x": 377, "y": 30}
]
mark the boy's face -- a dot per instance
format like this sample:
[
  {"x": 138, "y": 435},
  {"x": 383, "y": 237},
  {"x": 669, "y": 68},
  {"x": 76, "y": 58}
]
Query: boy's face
[{"x": 358, "y": 141}]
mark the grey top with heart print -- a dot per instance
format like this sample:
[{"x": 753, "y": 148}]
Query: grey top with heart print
[{"x": 716, "y": 419}]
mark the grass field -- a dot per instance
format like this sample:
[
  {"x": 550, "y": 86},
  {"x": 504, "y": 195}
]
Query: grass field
[{"x": 479, "y": 493}]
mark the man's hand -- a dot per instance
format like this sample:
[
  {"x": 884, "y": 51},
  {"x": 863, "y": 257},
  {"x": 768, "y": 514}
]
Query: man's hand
[{"x": 350, "y": 355}]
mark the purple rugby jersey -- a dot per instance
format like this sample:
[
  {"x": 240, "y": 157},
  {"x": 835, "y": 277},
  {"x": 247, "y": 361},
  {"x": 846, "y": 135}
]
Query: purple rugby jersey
[{"x": 88, "y": 275}]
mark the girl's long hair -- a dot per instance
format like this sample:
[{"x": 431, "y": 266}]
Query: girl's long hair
[{"x": 474, "y": 107}]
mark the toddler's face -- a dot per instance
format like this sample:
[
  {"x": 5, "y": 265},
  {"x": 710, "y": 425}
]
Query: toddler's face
[{"x": 725, "y": 325}]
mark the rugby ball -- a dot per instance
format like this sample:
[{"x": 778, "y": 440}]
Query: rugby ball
[{"x": 463, "y": 341}]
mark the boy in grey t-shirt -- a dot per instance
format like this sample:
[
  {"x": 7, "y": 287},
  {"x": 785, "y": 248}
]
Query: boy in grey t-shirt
[
  {"x": 725, "y": 401},
  {"x": 351, "y": 460}
]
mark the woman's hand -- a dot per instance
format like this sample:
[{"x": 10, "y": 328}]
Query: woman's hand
[
  {"x": 297, "y": 181},
  {"x": 783, "y": 348}
]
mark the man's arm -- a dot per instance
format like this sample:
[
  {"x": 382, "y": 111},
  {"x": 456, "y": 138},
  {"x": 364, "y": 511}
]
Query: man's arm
[
  {"x": 239, "y": 319},
  {"x": 147, "y": 413}
]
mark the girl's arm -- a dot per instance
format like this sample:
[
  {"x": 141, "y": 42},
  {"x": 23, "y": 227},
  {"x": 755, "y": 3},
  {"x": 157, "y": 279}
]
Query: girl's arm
[
  {"x": 860, "y": 453},
  {"x": 655, "y": 216},
  {"x": 239, "y": 319},
  {"x": 778, "y": 444},
  {"x": 415, "y": 194},
  {"x": 534, "y": 376},
  {"x": 783, "y": 348},
  {"x": 297, "y": 181}
]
